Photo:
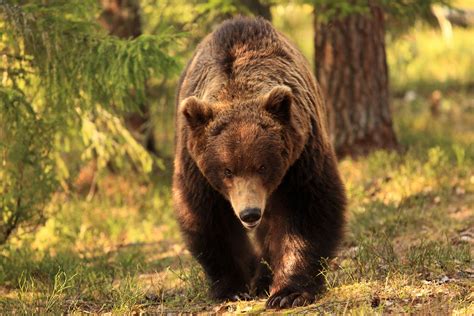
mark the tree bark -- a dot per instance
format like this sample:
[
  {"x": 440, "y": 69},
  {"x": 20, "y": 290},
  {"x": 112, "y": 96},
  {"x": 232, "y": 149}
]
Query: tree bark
[
  {"x": 121, "y": 18},
  {"x": 352, "y": 71}
]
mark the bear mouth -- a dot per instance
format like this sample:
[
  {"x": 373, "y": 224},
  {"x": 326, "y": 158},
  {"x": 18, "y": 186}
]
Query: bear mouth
[{"x": 251, "y": 226}]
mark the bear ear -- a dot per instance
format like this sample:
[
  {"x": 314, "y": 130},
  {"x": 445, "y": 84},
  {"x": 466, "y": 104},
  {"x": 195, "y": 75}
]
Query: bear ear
[
  {"x": 197, "y": 113},
  {"x": 278, "y": 103}
]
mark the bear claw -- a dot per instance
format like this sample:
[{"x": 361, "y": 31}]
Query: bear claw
[{"x": 286, "y": 300}]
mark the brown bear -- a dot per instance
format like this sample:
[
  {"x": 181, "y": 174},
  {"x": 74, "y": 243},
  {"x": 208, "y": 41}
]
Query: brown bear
[{"x": 256, "y": 187}]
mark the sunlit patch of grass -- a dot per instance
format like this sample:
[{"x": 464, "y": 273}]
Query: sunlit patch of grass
[
  {"x": 180, "y": 285},
  {"x": 397, "y": 292},
  {"x": 108, "y": 220},
  {"x": 104, "y": 242},
  {"x": 406, "y": 214},
  {"x": 46, "y": 283},
  {"x": 127, "y": 295}
]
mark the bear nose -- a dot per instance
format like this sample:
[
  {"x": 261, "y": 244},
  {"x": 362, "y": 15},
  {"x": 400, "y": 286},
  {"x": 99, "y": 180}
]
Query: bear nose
[{"x": 250, "y": 215}]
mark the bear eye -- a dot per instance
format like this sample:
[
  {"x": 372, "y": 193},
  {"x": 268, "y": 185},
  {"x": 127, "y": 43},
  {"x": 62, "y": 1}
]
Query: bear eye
[
  {"x": 261, "y": 169},
  {"x": 228, "y": 173}
]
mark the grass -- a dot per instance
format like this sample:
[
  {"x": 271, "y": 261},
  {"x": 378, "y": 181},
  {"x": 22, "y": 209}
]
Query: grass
[{"x": 408, "y": 248}]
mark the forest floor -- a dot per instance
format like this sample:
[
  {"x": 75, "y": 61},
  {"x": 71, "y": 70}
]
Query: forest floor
[{"x": 408, "y": 249}]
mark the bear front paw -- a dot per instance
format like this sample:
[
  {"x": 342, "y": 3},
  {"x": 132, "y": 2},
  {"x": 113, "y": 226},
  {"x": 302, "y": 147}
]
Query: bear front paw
[{"x": 289, "y": 298}]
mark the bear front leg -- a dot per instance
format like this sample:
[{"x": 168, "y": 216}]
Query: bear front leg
[
  {"x": 217, "y": 240},
  {"x": 307, "y": 220},
  {"x": 225, "y": 263},
  {"x": 212, "y": 233},
  {"x": 297, "y": 278}
]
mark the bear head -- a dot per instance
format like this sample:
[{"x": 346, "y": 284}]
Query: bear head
[{"x": 242, "y": 149}]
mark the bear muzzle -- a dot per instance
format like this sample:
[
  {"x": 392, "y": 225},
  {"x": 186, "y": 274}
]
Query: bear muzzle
[{"x": 248, "y": 199}]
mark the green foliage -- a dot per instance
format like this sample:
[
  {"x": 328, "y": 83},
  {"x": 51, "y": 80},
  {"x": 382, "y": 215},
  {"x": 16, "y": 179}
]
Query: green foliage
[
  {"x": 27, "y": 175},
  {"x": 215, "y": 10},
  {"x": 328, "y": 10},
  {"x": 75, "y": 60},
  {"x": 224, "y": 7},
  {"x": 63, "y": 82},
  {"x": 409, "y": 9},
  {"x": 401, "y": 14}
]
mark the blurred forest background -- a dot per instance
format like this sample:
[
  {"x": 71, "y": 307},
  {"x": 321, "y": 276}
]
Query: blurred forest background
[{"x": 86, "y": 144}]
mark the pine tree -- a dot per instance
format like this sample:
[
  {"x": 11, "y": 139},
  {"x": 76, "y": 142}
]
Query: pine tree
[
  {"x": 122, "y": 19},
  {"x": 352, "y": 71},
  {"x": 60, "y": 75}
]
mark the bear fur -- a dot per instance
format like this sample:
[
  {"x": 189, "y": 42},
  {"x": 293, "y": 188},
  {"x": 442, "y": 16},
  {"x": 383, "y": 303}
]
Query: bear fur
[{"x": 256, "y": 188}]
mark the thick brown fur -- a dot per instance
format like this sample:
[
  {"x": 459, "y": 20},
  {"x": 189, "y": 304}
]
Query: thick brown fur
[{"x": 248, "y": 108}]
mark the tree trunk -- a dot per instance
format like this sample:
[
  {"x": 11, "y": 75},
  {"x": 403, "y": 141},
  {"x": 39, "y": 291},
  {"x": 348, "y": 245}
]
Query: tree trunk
[
  {"x": 122, "y": 19},
  {"x": 352, "y": 70}
]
